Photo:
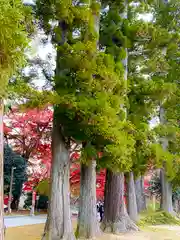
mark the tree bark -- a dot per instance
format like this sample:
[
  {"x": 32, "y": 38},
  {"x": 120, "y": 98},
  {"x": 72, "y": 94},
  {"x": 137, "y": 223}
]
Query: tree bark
[
  {"x": 144, "y": 203},
  {"x": 166, "y": 193},
  {"x": 88, "y": 226},
  {"x": 116, "y": 219},
  {"x": 59, "y": 224},
  {"x": 166, "y": 187},
  {"x": 132, "y": 204},
  {"x": 140, "y": 196},
  {"x": 1, "y": 173}
]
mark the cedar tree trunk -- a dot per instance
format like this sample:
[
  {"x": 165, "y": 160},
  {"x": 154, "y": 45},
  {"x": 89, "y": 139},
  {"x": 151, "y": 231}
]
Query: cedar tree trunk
[
  {"x": 88, "y": 226},
  {"x": 132, "y": 204},
  {"x": 166, "y": 193},
  {"x": 144, "y": 202},
  {"x": 116, "y": 218},
  {"x": 166, "y": 187},
  {"x": 140, "y": 196},
  {"x": 59, "y": 224}
]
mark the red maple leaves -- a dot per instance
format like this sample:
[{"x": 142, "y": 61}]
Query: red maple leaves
[{"x": 29, "y": 134}]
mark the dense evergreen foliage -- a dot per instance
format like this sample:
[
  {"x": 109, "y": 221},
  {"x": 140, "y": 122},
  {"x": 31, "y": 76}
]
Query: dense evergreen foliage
[
  {"x": 13, "y": 38},
  {"x": 41, "y": 204},
  {"x": 13, "y": 160}
]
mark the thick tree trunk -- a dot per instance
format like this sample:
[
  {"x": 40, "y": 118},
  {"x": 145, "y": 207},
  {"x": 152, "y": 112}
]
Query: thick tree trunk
[
  {"x": 88, "y": 226},
  {"x": 166, "y": 193},
  {"x": 140, "y": 196},
  {"x": 59, "y": 224},
  {"x": 132, "y": 204},
  {"x": 166, "y": 187},
  {"x": 1, "y": 174},
  {"x": 116, "y": 218}
]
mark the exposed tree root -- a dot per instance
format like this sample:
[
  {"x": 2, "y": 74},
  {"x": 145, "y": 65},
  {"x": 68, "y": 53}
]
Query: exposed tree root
[
  {"x": 125, "y": 224},
  {"x": 65, "y": 237}
]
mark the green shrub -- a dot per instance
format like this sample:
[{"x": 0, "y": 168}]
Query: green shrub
[{"x": 158, "y": 218}]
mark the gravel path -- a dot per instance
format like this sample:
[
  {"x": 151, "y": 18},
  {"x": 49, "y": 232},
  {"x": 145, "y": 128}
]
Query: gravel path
[
  {"x": 161, "y": 232},
  {"x": 164, "y": 232}
]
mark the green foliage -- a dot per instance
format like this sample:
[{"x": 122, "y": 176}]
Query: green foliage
[
  {"x": 160, "y": 156},
  {"x": 43, "y": 187},
  {"x": 176, "y": 194},
  {"x": 155, "y": 187},
  {"x": 89, "y": 84},
  {"x": 13, "y": 39},
  {"x": 41, "y": 204},
  {"x": 139, "y": 38},
  {"x": 11, "y": 159},
  {"x": 28, "y": 201},
  {"x": 155, "y": 50},
  {"x": 158, "y": 218}
]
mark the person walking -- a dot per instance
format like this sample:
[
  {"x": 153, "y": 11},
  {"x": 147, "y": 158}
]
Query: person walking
[{"x": 101, "y": 211}]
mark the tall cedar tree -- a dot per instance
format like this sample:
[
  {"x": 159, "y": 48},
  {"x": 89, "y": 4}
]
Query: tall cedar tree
[
  {"x": 13, "y": 41},
  {"x": 161, "y": 51},
  {"x": 113, "y": 38},
  {"x": 169, "y": 106},
  {"x": 140, "y": 38},
  {"x": 90, "y": 89},
  {"x": 158, "y": 59}
]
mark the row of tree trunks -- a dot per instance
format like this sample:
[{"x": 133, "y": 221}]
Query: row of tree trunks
[{"x": 116, "y": 218}]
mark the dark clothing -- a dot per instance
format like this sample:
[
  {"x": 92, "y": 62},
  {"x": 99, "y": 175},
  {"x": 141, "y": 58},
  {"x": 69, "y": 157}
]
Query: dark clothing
[{"x": 101, "y": 211}]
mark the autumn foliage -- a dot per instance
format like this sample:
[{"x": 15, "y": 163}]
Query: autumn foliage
[
  {"x": 75, "y": 178},
  {"x": 29, "y": 134}
]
